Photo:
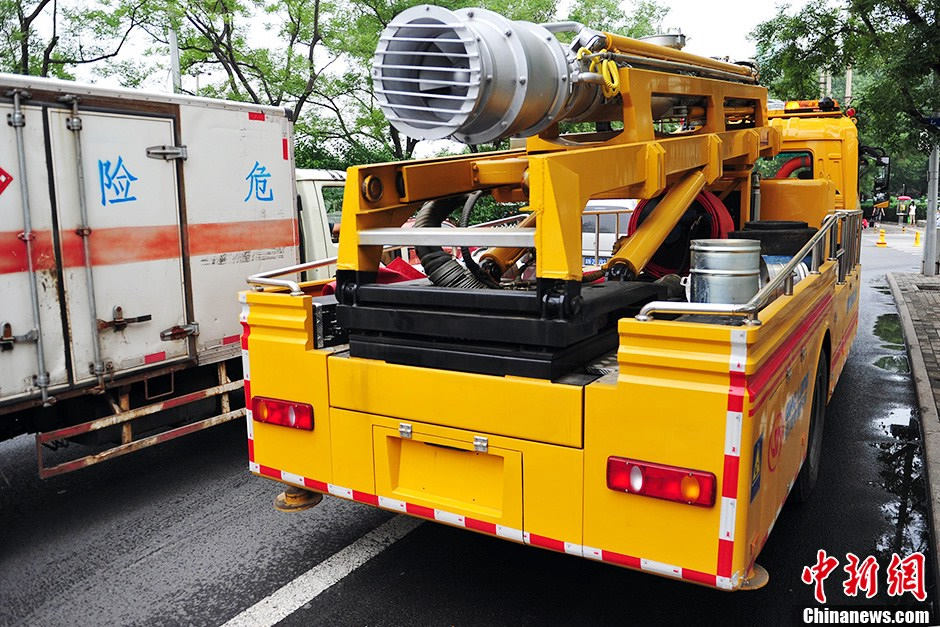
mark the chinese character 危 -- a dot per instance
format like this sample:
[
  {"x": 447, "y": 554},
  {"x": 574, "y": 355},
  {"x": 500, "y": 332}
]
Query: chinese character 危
[{"x": 258, "y": 184}]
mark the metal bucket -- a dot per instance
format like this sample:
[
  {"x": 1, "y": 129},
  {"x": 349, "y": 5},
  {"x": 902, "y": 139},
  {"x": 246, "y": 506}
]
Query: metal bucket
[{"x": 724, "y": 271}]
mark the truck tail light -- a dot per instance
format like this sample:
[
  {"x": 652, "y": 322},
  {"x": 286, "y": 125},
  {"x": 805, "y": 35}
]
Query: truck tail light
[
  {"x": 662, "y": 482},
  {"x": 284, "y": 413}
]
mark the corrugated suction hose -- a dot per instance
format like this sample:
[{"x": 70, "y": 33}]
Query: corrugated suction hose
[{"x": 440, "y": 266}]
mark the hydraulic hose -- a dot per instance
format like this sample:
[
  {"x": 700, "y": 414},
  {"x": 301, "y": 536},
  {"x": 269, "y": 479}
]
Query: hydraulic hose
[
  {"x": 441, "y": 267},
  {"x": 479, "y": 273}
]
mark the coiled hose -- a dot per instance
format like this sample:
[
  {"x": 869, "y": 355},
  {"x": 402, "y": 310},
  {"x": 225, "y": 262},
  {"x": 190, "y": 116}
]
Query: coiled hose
[{"x": 440, "y": 266}]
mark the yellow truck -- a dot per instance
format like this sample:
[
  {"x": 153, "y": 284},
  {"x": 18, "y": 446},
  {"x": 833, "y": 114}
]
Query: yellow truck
[{"x": 654, "y": 412}]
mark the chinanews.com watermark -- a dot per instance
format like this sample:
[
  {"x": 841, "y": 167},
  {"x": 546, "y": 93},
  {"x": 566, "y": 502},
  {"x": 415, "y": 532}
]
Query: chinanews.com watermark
[
  {"x": 864, "y": 616},
  {"x": 904, "y": 580}
]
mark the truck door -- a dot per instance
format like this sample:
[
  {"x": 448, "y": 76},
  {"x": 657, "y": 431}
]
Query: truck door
[
  {"x": 18, "y": 363},
  {"x": 136, "y": 287}
]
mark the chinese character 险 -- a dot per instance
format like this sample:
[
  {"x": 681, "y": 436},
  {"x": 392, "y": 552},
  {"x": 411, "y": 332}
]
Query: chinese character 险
[
  {"x": 258, "y": 184},
  {"x": 862, "y": 575},
  {"x": 907, "y": 575},
  {"x": 115, "y": 182},
  {"x": 818, "y": 573}
]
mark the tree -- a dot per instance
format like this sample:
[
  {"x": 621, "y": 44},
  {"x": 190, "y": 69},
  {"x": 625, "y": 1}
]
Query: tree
[
  {"x": 894, "y": 47},
  {"x": 894, "y": 43},
  {"x": 41, "y": 38}
]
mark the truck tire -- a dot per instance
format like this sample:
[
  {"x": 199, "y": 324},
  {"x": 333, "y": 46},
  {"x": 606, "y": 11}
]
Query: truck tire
[{"x": 806, "y": 480}]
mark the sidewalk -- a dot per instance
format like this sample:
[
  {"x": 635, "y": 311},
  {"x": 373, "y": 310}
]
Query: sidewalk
[{"x": 918, "y": 301}]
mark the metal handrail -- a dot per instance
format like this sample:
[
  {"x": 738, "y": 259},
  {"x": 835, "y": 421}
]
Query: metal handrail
[
  {"x": 267, "y": 278},
  {"x": 847, "y": 257}
]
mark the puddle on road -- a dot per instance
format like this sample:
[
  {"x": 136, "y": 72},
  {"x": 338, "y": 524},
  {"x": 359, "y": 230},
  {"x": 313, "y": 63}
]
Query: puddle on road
[
  {"x": 894, "y": 363},
  {"x": 888, "y": 329},
  {"x": 901, "y": 473}
]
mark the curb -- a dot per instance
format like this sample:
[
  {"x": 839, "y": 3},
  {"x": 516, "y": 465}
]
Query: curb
[{"x": 929, "y": 420}]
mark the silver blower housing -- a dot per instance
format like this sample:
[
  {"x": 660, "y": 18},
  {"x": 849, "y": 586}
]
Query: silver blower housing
[{"x": 475, "y": 76}]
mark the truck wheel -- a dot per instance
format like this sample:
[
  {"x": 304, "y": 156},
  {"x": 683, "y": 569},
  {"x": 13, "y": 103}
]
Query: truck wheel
[{"x": 806, "y": 480}]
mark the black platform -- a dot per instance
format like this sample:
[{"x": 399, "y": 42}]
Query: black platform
[{"x": 498, "y": 332}]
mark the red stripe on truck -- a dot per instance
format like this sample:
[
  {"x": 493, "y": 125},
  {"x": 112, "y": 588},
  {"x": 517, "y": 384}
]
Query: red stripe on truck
[
  {"x": 285, "y": 149},
  {"x": 13, "y": 252},
  {"x": 114, "y": 246},
  {"x": 221, "y": 237},
  {"x": 257, "y": 116}
]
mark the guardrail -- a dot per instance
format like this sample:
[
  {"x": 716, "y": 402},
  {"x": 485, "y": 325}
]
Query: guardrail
[{"x": 843, "y": 229}]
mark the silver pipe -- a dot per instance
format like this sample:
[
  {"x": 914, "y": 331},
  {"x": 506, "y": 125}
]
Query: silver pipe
[
  {"x": 17, "y": 120},
  {"x": 675, "y": 67},
  {"x": 74, "y": 124},
  {"x": 266, "y": 278},
  {"x": 563, "y": 27}
]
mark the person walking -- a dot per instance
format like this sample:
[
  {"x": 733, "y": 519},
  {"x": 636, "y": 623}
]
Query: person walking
[
  {"x": 877, "y": 215},
  {"x": 912, "y": 214}
]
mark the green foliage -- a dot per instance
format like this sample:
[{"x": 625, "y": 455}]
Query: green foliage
[
  {"x": 894, "y": 47},
  {"x": 636, "y": 19},
  {"x": 39, "y": 37}
]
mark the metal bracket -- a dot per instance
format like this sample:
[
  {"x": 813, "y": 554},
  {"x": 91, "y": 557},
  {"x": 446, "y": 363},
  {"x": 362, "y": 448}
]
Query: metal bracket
[
  {"x": 119, "y": 322},
  {"x": 167, "y": 153},
  {"x": 404, "y": 430},
  {"x": 480, "y": 444},
  {"x": 7, "y": 339},
  {"x": 179, "y": 332}
]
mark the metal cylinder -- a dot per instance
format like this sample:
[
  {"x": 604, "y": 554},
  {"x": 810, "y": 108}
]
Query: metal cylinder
[
  {"x": 724, "y": 271},
  {"x": 473, "y": 75}
]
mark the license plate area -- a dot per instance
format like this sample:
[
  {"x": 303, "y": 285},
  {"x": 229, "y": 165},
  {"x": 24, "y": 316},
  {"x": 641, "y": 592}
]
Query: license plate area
[{"x": 446, "y": 473}]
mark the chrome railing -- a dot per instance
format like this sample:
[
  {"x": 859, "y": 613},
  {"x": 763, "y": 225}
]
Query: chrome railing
[
  {"x": 842, "y": 229},
  {"x": 262, "y": 279}
]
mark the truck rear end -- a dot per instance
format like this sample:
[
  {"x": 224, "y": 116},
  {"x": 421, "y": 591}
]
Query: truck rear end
[
  {"x": 124, "y": 217},
  {"x": 596, "y": 411}
]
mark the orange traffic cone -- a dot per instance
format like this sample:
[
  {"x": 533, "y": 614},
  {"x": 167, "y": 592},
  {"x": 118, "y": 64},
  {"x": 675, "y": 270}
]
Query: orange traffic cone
[
  {"x": 916, "y": 238},
  {"x": 881, "y": 238}
]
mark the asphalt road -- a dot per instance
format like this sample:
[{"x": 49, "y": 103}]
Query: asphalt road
[{"x": 182, "y": 534}]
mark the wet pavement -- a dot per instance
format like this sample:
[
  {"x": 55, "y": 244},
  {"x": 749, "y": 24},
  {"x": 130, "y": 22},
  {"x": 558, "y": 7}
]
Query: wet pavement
[{"x": 182, "y": 534}]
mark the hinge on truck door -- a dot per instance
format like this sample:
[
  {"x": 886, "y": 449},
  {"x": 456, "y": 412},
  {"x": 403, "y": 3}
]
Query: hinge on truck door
[
  {"x": 179, "y": 331},
  {"x": 167, "y": 152}
]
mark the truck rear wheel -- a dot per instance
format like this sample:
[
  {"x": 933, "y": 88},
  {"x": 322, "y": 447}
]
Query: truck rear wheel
[{"x": 806, "y": 480}]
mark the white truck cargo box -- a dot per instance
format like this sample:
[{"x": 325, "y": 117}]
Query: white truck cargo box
[{"x": 128, "y": 224}]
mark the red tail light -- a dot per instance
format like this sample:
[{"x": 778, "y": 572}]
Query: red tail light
[
  {"x": 284, "y": 413},
  {"x": 662, "y": 482}
]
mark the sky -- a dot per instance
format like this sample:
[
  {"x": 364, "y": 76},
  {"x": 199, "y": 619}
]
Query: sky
[
  {"x": 719, "y": 28},
  {"x": 713, "y": 28}
]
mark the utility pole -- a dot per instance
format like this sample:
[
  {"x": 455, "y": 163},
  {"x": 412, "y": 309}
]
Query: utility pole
[
  {"x": 848, "y": 87},
  {"x": 930, "y": 231},
  {"x": 175, "y": 61}
]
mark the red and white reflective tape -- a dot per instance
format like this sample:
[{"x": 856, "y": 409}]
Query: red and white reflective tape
[
  {"x": 466, "y": 522},
  {"x": 246, "y": 378},
  {"x": 732, "y": 459}
]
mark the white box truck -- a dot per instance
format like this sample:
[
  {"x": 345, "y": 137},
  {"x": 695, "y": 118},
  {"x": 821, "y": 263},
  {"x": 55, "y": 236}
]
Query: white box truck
[{"x": 128, "y": 223}]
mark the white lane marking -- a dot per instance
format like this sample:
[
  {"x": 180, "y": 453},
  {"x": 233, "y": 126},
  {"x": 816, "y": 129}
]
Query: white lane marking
[{"x": 283, "y": 602}]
